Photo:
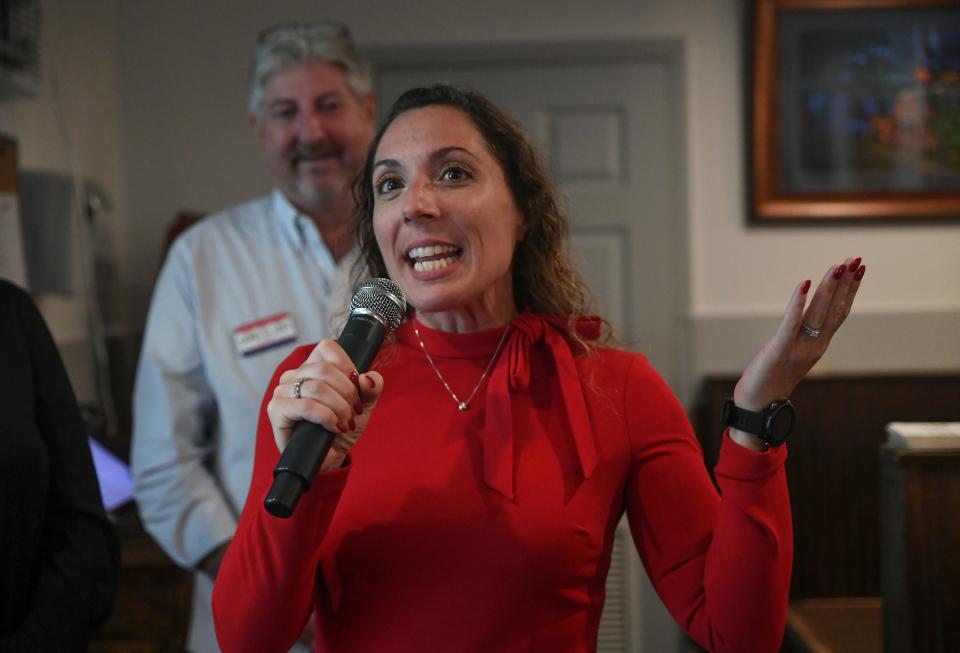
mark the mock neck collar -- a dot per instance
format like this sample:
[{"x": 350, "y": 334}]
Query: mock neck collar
[
  {"x": 447, "y": 344},
  {"x": 511, "y": 374}
]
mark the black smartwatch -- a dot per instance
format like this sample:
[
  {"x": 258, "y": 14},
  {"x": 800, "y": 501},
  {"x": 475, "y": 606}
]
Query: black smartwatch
[{"x": 772, "y": 425}]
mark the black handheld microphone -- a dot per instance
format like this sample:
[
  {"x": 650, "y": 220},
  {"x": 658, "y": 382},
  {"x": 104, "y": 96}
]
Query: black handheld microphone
[{"x": 375, "y": 310}]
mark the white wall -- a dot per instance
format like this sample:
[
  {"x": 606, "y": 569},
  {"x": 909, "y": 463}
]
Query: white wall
[
  {"x": 73, "y": 123},
  {"x": 152, "y": 100},
  {"x": 907, "y": 314},
  {"x": 183, "y": 68},
  {"x": 187, "y": 145},
  {"x": 153, "y": 96}
]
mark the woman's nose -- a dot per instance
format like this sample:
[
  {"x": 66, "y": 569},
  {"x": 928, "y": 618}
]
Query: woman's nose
[{"x": 420, "y": 202}]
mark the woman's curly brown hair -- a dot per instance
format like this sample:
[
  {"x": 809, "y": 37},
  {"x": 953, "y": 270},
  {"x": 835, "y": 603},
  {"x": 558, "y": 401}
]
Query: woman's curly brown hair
[{"x": 544, "y": 278}]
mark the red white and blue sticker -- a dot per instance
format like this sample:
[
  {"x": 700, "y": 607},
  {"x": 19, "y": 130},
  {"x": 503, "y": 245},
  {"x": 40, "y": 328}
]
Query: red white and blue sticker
[{"x": 263, "y": 334}]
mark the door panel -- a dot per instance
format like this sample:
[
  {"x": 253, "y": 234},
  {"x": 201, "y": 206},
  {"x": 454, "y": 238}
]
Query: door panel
[{"x": 605, "y": 131}]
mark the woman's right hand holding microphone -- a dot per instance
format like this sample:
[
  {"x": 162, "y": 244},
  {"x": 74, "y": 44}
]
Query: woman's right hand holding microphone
[{"x": 326, "y": 390}]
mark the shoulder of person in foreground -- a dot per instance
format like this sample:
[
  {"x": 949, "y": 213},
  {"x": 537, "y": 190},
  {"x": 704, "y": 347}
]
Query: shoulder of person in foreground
[{"x": 78, "y": 552}]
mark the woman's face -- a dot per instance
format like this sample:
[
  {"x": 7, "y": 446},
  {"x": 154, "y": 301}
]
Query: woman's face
[{"x": 445, "y": 219}]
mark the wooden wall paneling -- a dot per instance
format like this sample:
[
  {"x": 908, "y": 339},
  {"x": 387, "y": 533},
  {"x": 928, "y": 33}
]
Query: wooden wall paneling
[
  {"x": 832, "y": 468},
  {"x": 8, "y": 164},
  {"x": 921, "y": 550}
]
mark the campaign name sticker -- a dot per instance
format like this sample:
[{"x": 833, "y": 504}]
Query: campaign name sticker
[{"x": 263, "y": 334}]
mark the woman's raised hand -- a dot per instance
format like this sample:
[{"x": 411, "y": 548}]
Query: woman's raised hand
[
  {"x": 325, "y": 390},
  {"x": 802, "y": 337}
]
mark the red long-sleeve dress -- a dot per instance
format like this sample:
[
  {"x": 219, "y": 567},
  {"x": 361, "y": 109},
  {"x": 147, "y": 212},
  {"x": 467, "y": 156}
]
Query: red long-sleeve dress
[{"x": 491, "y": 530}]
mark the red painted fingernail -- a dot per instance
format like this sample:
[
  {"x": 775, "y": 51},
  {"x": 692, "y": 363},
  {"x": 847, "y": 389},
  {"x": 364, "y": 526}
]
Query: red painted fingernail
[
  {"x": 806, "y": 287},
  {"x": 358, "y": 408},
  {"x": 343, "y": 429},
  {"x": 862, "y": 270},
  {"x": 855, "y": 264},
  {"x": 370, "y": 382},
  {"x": 352, "y": 424},
  {"x": 839, "y": 271},
  {"x": 355, "y": 378}
]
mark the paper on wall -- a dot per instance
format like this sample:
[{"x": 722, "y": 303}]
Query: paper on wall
[
  {"x": 12, "y": 264},
  {"x": 924, "y": 435}
]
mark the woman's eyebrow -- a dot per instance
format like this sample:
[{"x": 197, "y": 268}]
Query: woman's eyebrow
[
  {"x": 441, "y": 153},
  {"x": 390, "y": 163},
  {"x": 445, "y": 151}
]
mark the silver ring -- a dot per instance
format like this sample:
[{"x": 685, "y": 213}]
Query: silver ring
[
  {"x": 810, "y": 331},
  {"x": 295, "y": 393}
]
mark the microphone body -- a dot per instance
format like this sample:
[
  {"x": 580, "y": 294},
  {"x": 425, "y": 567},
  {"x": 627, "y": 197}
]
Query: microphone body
[{"x": 377, "y": 307}]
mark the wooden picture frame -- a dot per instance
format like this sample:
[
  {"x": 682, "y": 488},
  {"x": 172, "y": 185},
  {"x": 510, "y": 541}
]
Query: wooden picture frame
[{"x": 855, "y": 110}]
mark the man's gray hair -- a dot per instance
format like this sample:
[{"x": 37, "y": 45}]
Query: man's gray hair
[{"x": 292, "y": 43}]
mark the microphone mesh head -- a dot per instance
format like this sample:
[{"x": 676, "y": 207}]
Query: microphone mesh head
[{"x": 383, "y": 298}]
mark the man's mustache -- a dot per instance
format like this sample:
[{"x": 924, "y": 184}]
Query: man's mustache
[{"x": 318, "y": 150}]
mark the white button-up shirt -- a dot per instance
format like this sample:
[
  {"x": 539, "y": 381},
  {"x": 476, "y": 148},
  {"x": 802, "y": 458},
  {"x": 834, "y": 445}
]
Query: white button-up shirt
[{"x": 237, "y": 293}]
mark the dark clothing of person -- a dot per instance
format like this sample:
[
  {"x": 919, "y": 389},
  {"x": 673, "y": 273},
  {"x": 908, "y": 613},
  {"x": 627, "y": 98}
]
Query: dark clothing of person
[{"x": 59, "y": 555}]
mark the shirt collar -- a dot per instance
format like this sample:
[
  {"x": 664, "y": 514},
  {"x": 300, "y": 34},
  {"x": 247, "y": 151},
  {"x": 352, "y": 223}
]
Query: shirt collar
[
  {"x": 294, "y": 224},
  {"x": 288, "y": 217}
]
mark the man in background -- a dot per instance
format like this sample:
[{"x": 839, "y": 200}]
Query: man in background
[{"x": 239, "y": 290}]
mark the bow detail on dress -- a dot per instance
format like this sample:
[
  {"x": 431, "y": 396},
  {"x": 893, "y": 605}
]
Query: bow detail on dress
[{"x": 512, "y": 374}]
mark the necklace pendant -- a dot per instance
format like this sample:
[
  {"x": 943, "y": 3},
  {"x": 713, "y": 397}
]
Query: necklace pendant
[{"x": 462, "y": 406}]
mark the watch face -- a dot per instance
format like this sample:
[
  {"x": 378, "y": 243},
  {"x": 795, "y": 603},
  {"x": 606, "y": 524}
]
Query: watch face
[{"x": 781, "y": 423}]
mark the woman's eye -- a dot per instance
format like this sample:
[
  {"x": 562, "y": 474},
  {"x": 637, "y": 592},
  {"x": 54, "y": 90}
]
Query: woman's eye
[
  {"x": 454, "y": 173},
  {"x": 387, "y": 185}
]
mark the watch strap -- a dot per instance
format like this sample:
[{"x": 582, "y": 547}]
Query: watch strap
[
  {"x": 766, "y": 424},
  {"x": 747, "y": 420}
]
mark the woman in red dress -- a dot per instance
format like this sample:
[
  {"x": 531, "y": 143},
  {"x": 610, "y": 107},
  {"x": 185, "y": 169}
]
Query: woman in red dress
[{"x": 470, "y": 499}]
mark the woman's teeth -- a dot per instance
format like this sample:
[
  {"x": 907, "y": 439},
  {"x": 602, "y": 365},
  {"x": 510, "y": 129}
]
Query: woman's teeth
[
  {"x": 430, "y": 257},
  {"x": 436, "y": 264},
  {"x": 430, "y": 250}
]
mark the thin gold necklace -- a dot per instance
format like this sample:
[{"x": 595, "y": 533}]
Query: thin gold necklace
[{"x": 462, "y": 405}]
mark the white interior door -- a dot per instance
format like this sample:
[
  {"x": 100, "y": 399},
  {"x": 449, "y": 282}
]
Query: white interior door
[{"x": 609, "y": 121}]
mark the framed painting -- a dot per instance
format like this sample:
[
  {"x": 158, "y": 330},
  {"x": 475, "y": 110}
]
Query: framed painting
[{"x": 855, "y": 110}]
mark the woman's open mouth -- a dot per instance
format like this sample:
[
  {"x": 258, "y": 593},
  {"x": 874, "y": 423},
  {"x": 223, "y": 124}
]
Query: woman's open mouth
[{"x": 433, "y": 257}]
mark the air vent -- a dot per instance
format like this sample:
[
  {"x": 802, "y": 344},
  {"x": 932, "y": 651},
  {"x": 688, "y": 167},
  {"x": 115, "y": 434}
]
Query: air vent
[{"x": 19, "y": 47}]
